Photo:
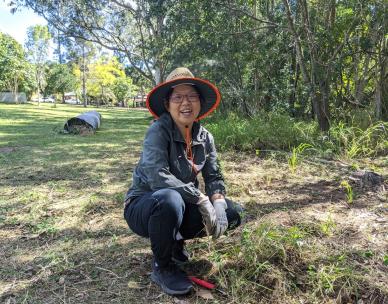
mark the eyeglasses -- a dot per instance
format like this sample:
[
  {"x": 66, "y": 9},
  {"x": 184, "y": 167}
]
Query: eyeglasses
[{"x": 178, "y": 98}]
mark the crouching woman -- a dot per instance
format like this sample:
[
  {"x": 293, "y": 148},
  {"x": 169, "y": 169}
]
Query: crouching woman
[{"x": 164, "y": 202}]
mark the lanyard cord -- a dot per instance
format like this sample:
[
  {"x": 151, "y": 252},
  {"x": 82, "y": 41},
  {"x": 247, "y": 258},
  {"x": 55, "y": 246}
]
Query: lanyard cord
[{"x": 189, "y": 151}]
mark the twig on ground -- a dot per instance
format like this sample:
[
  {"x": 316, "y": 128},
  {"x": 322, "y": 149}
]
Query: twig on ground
[{"x": 110, "y": 271}]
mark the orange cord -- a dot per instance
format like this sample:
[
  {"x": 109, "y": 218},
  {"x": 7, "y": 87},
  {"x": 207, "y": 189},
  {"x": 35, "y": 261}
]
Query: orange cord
[{"x": 189, "y": 151}]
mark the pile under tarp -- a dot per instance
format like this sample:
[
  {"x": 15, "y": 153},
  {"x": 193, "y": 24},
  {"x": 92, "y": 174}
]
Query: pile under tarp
[{"x": 84, "y": 124}]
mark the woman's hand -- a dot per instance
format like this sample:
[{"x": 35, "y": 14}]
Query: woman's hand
[
  {"x": 221, "y": 219},
  {"x": 208, "y": 213}
]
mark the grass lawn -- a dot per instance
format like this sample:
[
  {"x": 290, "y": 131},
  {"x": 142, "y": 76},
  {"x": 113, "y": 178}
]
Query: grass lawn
[{"x": 63, "y": 238}]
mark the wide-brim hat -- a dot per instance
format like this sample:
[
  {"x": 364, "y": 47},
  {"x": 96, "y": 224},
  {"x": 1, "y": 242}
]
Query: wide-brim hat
[{"x": 156, "y": 98}]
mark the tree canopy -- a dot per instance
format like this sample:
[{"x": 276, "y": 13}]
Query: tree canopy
[
  {"x": 15, "y": 71},
  {"x": 308, "y": 58},
  {"x": 37, "y": 46}
]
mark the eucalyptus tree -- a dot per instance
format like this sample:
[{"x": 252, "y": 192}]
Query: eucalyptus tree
[
  {"x": 81, "y": 53},
  {"x": 37, "y": 45}
]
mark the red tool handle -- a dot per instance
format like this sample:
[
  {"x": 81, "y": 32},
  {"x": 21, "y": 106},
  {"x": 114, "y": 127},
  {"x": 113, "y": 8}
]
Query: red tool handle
[{"x": 202, "y": 283}]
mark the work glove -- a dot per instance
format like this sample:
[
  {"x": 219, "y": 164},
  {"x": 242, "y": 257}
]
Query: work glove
[
  {"x": 208, "y": 213},
  {"x": 221, "y": 219}
]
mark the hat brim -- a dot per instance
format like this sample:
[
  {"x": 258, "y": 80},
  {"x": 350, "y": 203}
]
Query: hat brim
[{"x": 209, "y": 92}]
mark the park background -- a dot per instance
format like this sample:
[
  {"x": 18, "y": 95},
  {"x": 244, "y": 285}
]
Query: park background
[{"x": 301, "y": 133}]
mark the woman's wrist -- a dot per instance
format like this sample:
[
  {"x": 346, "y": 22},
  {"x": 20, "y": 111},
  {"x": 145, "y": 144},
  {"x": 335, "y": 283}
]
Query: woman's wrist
[{"x": 217, "y": 196}]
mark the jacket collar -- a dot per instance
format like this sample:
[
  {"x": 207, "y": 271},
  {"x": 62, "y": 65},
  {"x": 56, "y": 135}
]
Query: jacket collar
[{"x": 198, "y": 131}]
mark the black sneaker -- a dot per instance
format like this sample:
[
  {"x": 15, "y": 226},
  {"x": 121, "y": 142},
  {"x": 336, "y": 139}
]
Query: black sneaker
[
  {"x": 179, "y": 253},
  {"x": 171, "y": 279}
]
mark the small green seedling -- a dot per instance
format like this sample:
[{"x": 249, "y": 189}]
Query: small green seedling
[
  {"x": 349, "y": 191},
  {"x": 293, "y": 159}
]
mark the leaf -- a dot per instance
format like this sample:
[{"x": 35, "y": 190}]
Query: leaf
[
  {"x": 204, "y": 294},
  {"x": 134, "y": 285}
]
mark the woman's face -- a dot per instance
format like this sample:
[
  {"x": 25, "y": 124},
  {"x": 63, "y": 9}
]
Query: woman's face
[{"x": 184, "y": 105}]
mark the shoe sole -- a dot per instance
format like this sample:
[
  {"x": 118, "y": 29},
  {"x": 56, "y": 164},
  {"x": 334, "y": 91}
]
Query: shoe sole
[{"x": 168, "y": 290}]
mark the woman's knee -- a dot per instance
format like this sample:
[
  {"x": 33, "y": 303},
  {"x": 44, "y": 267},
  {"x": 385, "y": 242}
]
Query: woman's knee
[{"x": 170, "y": 201}]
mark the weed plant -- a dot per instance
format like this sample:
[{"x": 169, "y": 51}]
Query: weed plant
[
  {"x": 274, "y": 262},
  {"x": 349, "y": 191},
  {"x": 293, "y": 160}
]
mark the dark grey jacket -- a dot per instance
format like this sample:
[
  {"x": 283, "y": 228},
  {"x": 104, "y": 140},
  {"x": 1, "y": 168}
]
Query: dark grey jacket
[{"x": 164, "y": 163}]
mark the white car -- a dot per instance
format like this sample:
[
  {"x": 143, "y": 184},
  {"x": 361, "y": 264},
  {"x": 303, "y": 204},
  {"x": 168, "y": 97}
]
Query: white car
[
  {"x": 72, "y": 101},
  {"x": 48, "y": 99}
]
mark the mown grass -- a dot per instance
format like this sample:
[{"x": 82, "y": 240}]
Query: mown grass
[
  {"x": 63, "y": 238},
  {"x": 61, "y": 199}
]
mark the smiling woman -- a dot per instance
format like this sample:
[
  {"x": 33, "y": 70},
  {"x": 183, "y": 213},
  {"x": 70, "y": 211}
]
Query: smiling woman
[
  {"x": 164, "y": 202},
  {"x": 184, "y": 106}
]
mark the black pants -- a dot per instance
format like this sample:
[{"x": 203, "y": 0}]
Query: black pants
[{"x": 161, "y": 214}]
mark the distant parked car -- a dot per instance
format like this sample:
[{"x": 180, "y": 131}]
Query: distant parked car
[
  {"x": 48, "y": 99},
  {"x": 72, "y": 101}
]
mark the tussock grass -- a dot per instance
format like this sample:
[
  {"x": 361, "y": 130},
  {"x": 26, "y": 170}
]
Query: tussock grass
[
  {"x": 268, "y": 131},
  {"x": 264, "y": 131},
  {"x": 352, "y": 142}
]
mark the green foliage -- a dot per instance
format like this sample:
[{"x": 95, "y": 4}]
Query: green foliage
[
  {"x": 106, "y": 76},
  {"x": 274, "y": 131},
  {"x": 349, "y": 191},
  {"x": 293, "y": 160},
  {"x": 265, "y": 131},
  {"x": 37, "y": 45},
  {"x": 269, "y": 258},
  {"x": 60, "y": 79},
  {"x": 46, "y": 226},
  {"x": 15, "y": 71},
  {"x": 329, "y": 279},
  {"x": 328, "y": 226},
  {"x": 352, "y": 142},
  {"x": 122, "y": 89}
]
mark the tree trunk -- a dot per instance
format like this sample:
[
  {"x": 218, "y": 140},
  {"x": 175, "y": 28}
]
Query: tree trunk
[
  {"x": 324, "y": 115},
  {"x": 84, "y": 76},
  {"x": 157, "y": 75},
  {"x": 293, "y": 83},
  {"x": 381, "y": 102},
  {"x": 378, "y": 95}
]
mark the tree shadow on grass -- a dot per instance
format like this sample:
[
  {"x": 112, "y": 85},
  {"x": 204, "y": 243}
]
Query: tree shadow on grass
[
  {"x": 108, "y": 272},
  {"x": 98, "y": 275}
]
